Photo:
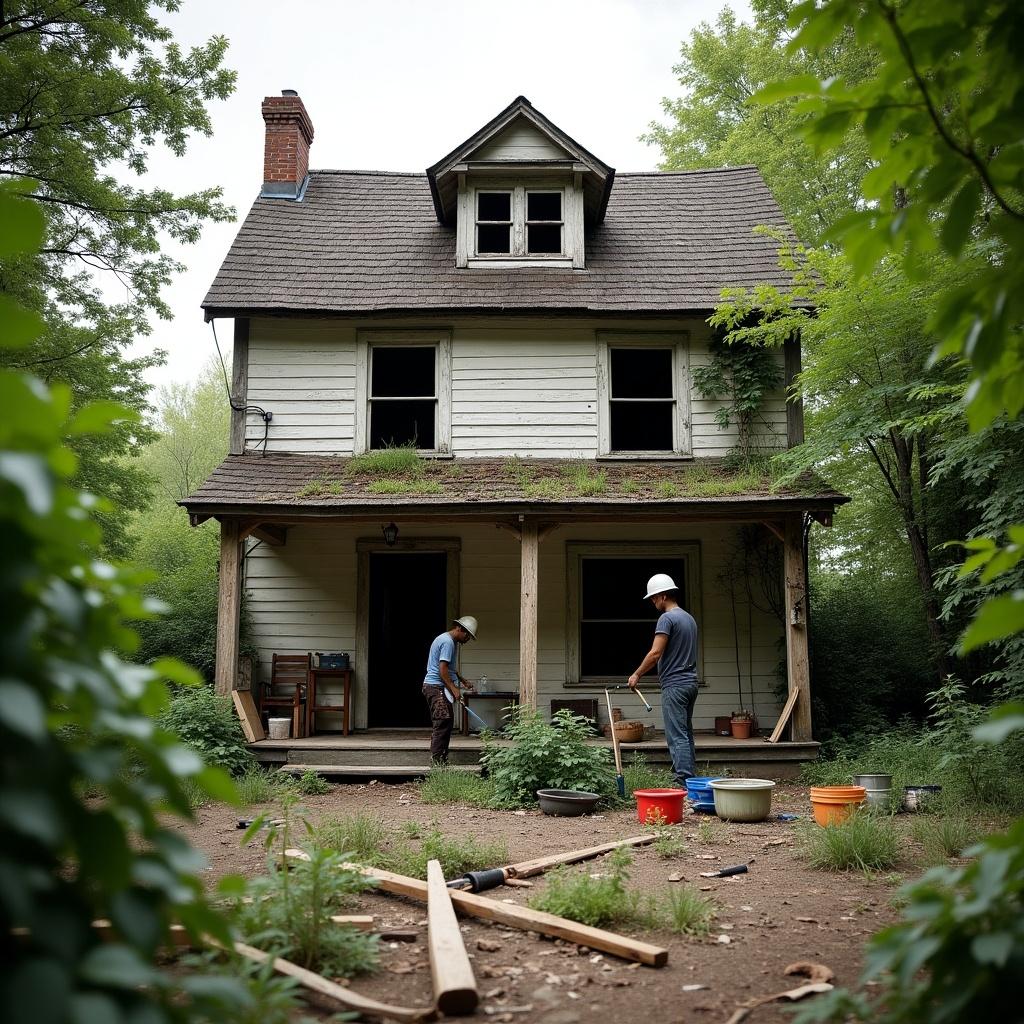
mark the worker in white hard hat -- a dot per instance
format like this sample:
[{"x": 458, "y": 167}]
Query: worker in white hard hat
[
  {"x": 440, "y": 678},
  {"x": 674, "y": 651}
]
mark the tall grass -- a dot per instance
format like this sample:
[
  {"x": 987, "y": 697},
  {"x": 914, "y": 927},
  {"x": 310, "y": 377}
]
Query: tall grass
[
  {"x": 457, "y": 856},
  {"x": 864, "y": 842},
  {"x": 943, "y": 837},
  {"x": 596, "y": 901},
  {"x": 638, "y": 774},
  {"x": 448, "y": 785},
  {"x": 391, "y": 461},
  {"x": 689, "y": 912},
  {"x": 363, "y": 837}
]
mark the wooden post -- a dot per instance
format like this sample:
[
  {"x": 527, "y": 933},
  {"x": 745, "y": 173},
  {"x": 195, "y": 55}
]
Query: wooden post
[
  {"x": 229, "y": 604},
  {"x": 798, "y": 667},
  {"x": 529, "y": 549},
  {"x": 794, "y": 403},
  {"x": 239, "y": 386}
]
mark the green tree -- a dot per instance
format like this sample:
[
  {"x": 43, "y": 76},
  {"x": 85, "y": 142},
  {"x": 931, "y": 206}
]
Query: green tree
[{"x": 87, "y": 89}]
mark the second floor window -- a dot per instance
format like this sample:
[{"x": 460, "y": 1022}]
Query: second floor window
[
  {"x": 403, "y": 396},
  {"x": 641, "y": 405},
  {"x": 520, "y": 222}
]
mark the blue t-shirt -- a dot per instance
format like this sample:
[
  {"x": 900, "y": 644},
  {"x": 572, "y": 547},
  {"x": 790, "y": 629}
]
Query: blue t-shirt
[
  {"x": 442, "y": 649},
  {"x": 679, "y": 661}
]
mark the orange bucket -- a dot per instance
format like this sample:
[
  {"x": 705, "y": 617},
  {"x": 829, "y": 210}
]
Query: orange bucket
[
  {"x": 660, "y": 803},
  {"x": 832, "y": 805}
]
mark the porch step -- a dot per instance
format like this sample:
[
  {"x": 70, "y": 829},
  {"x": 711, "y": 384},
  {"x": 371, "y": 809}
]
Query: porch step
[
  {"x": 369, "y": 771},
  {"x": 411, "y": 758}
]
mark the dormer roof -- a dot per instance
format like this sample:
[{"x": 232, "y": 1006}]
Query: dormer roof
[{"x": 500, "y": 145}]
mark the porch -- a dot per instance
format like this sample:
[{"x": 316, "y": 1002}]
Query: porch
[{"x": 402, "y": 753}]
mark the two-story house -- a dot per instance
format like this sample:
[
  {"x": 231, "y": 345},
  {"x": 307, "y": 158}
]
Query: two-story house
[{"x": 529, "y": 322}]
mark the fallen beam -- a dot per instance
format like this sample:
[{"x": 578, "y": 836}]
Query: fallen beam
[
  {"x": 516, "y": 917},
  {"x": 345, "y": 997},
  {"x": 455, "y": 991},
  {"x": 541, "y": 864}
]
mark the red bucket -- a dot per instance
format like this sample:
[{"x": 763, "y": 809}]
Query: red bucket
[{"x": 656, "y": 804}]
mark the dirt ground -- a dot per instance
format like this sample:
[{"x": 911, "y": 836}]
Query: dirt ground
[{"x": 780, "y": 912}]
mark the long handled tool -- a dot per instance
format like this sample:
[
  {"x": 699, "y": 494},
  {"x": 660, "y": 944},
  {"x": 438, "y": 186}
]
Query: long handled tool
[
  {"x": 620, "y": 782},
  {"x": 462, "y": 701},
  {"x": 639, "y": 694}
]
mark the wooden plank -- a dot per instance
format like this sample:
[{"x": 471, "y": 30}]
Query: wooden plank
[
  {"x": 345, "y": 997},
  {"x": 517, "y": 917},
  {"x": 784, "y": 717},
  {"x": 455, "y": 991},
  {"x": 229, "y": 603},
  {"x": 361, "y": 922},
  {"x": 239, "y": 385},
  {"x": 798, "y": 669},
  {"x": 245, "y": 708},
  {"x": 177, "y": 935},
  {"x": 527, "y": 868},
  {"x": 529, "y": 545}
]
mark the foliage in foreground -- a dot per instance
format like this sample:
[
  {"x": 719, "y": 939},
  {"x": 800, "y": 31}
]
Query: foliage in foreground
[
  {"x": 864, "y": 842},
  {"x": 208, "y": 725},
  {"x": 77, "y": 721},
  {"x": 545, "y": 755},
  {"x": 288, "y": 911}
]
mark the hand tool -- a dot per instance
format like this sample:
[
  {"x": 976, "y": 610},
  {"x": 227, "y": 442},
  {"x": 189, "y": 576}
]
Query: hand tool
[
  {"x": 620, "y": 782},
  {"x": 637, "y": 692}
]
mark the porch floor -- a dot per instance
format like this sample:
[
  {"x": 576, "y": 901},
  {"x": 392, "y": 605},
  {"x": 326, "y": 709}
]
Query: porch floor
[{"x": 405, "y": 752}]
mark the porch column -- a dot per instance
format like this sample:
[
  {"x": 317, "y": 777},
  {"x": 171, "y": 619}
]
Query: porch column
[
  {"x": 229, "y": 604},
  {"x": 798, "y": 668},
  {"x": 529, "y": 548}
]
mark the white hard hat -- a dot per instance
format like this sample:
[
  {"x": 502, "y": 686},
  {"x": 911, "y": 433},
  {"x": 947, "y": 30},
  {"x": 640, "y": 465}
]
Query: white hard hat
[
  {"x": 658, "y": 584},
  {"x": 468, "y": 623}
]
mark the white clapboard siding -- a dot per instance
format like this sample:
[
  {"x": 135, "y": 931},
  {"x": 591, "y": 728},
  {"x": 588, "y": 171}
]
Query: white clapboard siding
[
  {"x": 520, "y": 141},
  {"x": 302, "y": 597}
]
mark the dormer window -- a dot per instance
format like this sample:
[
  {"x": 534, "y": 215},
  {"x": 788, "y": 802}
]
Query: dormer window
[{"x": 520, "y": 222}]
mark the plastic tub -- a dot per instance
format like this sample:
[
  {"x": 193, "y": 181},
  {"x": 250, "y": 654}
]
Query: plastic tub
[
  {"x": 834, "y": 804},
  {"x": 279, "y": 728},
  {"x": 878, "y": 789},
  {"x": 743, "y": 799},
  {"x": 655, "y": 804},
  {"x": 698, "y": 789}
]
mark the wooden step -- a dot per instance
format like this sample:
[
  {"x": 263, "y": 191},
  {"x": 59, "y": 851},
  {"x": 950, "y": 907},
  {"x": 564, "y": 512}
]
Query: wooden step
[{"x": 370, "y": 771}]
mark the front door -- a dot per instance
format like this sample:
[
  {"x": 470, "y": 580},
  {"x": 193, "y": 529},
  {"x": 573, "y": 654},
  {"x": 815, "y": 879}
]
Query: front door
[{"x": 407, "y": 610}]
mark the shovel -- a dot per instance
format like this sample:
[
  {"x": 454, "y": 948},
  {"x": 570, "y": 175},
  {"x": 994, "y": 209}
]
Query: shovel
[
  {"x": 638, "y": 693},
  {"x": 620, "y": 782}
]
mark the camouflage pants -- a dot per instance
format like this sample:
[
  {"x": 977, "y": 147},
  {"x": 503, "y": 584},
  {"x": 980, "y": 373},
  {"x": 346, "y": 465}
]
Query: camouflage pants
[{"x": 442, "y": 718}]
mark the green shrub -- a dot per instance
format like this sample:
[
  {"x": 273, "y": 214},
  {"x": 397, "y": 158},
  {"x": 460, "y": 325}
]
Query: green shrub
[
  {"x": 208, "y": 724},
  {"x": 457, "y": 856},
  {"x": 447, "y": 785},
  {"x": 864, "y": 842},
  {"x": 545, "y": 755},
  {"x": 638, "y": 774},
  {"x": 599, "y": 901},
  {"x": 288, "y": 912},
  {"x": 689, "y": 912},
  {"x": 310, "y": 783},
  {"x": 360, "y": 837}
]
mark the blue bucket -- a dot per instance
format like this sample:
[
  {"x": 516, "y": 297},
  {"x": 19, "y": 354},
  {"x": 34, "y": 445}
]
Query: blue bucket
[{"x": 699, "y": 790}]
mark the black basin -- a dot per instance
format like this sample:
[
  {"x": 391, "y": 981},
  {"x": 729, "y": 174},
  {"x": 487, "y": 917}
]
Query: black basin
[{"x": 567, "y": 802}]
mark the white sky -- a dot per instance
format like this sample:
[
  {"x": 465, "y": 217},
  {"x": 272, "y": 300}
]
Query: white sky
[{"x": 396, "y": 84}]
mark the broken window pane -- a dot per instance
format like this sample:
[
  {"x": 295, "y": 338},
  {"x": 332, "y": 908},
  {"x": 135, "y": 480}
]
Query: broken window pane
[
  {"x": 402, "y": 422},
  {"x": 641, "y": 426},
  {"x": 494, "y": 206},
  {"x": 543, "y": 205},
  {"x": 493, "y": 238},
  {"x": 544, "y": 238},
  {"x": 641, "y": 372},
  {"x": 406, "y": 371},
  {"x": 402, "y": 389}
]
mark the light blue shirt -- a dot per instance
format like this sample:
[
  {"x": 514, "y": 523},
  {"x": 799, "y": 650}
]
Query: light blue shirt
[{"x": 442, "y": 649}]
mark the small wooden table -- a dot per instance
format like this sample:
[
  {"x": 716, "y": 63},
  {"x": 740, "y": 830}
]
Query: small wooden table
[
  {"x": 506, "y": 696},
  {"x": 314, "y": 704}
]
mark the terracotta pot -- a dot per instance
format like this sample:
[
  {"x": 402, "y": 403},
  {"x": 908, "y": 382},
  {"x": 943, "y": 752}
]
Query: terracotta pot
[
  {"x": 740, "y": 728},
  {"x": 832, "y": 805}
]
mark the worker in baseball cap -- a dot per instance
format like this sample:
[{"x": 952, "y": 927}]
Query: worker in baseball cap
[
  {"x": 440, "y": 677},
  {"x": 674, "y": 651}
]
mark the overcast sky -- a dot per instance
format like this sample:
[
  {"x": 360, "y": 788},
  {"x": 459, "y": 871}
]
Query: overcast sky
[{"x": 396, "y": 84}]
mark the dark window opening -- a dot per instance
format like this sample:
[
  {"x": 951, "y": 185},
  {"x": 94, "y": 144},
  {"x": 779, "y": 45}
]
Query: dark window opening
[
  {"x": 544, "y": 238},
  {"x": 616, "y": 623},
  {"x": 403, "y": 405},
  {"x": 494, "y": 222},
  {"x": 544, "y": 206},
  {"x": 494, "y": 206},
  {"x": 494, "y": 238},
  {"x": 641, "y": 406}
]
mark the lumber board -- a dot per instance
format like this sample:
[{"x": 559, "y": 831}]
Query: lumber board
[
  {"x": 362, "y": 922},
  {"x": 787, "y": 710},
  {"x": 455, "y": 991},
  {"x": 245, "y": 708},
  {"x": 344, "y": 996},
  {"x": 516, "y": 917},
  {"x": 537, "y": 866}
]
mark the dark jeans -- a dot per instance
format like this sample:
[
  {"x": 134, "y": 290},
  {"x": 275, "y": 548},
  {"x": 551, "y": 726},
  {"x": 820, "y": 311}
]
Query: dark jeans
[
  {"x": 677, "y": 710},
  {"x": 442, "y": 719}
]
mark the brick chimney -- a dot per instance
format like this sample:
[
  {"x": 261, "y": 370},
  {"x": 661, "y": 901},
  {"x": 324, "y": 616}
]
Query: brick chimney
[{"x": 286, "y": 154}]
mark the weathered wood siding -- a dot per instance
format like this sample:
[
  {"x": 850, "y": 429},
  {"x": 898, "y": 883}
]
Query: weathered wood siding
[
  {"x": 303, "y": 597},
  {"x": 518, "y": 388},
  {"x": 520, "y": 141}
]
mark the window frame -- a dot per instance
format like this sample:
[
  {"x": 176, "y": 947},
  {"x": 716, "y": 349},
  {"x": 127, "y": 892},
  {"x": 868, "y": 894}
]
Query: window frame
[
  {"x": 511, "y": 222},
  {"x": 577, "y": 551},
  {"x": 441, "y": 341},
  {"x": 679, "y": 344}
]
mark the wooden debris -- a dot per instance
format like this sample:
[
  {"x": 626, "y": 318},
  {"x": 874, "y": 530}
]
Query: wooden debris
[
  {"x": 541, "y": 864},
  {"x": 517, "y": 917},
  {"x": 398, "y": 935},
  {"x": 455, "y": 991},
  {"x": 245, "y": 708},
  {"x": 344, "y": 997},
  {"x": 363, "y": 922}
]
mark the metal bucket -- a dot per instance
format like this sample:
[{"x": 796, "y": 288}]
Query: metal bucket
[
  {"x": 279, "y": 728},
  {"x": 878, "y": 788}
]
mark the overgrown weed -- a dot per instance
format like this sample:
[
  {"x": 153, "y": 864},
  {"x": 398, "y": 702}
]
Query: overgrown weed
[
  {"x": 391, "y": 461},
  {"x": 361, "y": 837},
  {"x": 943, "y": 836},
  {"x": 864, "y": 842},
  {"x": 585, "y": 480},
  {"x": 638, "y": 774},
  {"x": 448, "y": 785},
  {"x": 594, "y": 898},
  {"x": 457, "y": 856},
  {"x": 416, "y": 486},
  {"x": 320, "y": 488},
  {"x": 689, "y": 912}
]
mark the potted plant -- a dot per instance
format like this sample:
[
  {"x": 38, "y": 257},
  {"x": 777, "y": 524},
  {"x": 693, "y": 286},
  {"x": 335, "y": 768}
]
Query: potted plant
[{"x": 741, "y": 724}]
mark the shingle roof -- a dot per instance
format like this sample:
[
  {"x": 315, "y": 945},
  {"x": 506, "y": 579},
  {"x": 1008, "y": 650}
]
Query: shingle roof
[
  {"x": 325, "y": 485},
  {"x": 367, "y": 241}
]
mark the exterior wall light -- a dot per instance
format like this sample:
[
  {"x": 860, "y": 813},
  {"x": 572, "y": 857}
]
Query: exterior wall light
[{"x": 390, "y": 534}]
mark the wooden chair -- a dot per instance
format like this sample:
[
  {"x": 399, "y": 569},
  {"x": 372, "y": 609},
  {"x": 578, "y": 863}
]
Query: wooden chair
[{"x": 289, "y": 684}]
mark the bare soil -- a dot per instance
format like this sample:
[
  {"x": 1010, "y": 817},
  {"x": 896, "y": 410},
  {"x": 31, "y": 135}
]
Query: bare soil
[{"x": 778, "y": 913}]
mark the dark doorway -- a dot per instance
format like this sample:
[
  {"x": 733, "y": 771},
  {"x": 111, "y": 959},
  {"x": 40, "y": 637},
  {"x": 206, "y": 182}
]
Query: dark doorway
[{"x": 407, "y": 610}]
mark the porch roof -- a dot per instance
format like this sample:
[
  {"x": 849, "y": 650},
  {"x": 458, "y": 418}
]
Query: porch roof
[{"x": 291, "y": 486}]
